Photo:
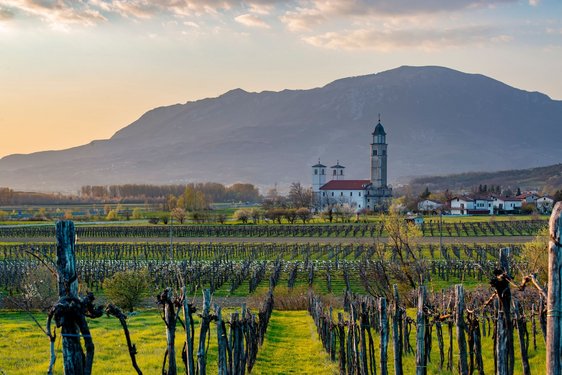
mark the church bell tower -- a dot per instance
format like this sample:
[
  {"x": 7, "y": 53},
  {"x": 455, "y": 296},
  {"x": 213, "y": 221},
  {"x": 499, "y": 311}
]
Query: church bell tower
[{"x": 378, "y": 157}]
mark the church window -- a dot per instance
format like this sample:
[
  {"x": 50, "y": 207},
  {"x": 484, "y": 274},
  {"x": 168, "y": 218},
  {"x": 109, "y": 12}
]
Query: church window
[
  {"x": 384, "y": 152},
  {"x": 332, "y": 193},
  {"x": 359, "y": 193},
  {"x": 334, "y": 172},
  {"x": 368, "y": 200},
  {"x": 359, "y": 206},
  {"x": 375, "y": 152},
  {"x": 316, "y": 171},
  {"x": 351, "y": 194},
  {"x": 341, "y": 172},
  {"x": 341, "y": 194},
  {"x": 322, "y": 171},
  {"x": 323, "y": 193}
]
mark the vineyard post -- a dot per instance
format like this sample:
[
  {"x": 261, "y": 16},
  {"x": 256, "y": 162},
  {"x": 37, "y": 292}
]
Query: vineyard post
[
  {"x": 421, "y": 365},
  {"x": 384, "y": 336},
  {"x": 189, "y": 333},
  {"x": 459, "y": 321},
  {"x": 554, "y": 297},
  {"x": 397, "y": 333},
  {"x": 73, "y": 356}
]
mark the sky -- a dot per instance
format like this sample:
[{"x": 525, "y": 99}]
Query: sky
[{"x": 75, "y": 71}]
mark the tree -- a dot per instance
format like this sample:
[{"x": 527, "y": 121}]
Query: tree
[
  {"x": 403, "y": 237},
  {"x": 179, "y": 214},
  {"x": 535, "y": 255},
  {"x": 256, "y": 214},
  {"x": 425, "y": 194},
  {"x": 291, "y": 215},
  {"x": 137, "y": 213},
  {"x": 243, "y": 215},
  {"x": 557, "y": 196},
  {"x": 300, "y": 196},
  {"x": 304, "y": 214},
  {"x": 111, "y": 215},
  {"x": 127, "y": 289}
]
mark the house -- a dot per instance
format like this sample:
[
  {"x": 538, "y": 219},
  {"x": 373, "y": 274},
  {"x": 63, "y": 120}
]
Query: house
[
  {"x": 528, "y": 197},
  {"x": 372, "y": 194},
  {"x": 467, "y": 205},
  {"x": 428, "y": 205},
  {"x": 545, "y": 204},
  {"x": 507, "y": 205}
]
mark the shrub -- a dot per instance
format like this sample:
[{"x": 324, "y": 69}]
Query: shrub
[
  {"x": 127, "y": 289},
  {"x": 153, "y": 220}
]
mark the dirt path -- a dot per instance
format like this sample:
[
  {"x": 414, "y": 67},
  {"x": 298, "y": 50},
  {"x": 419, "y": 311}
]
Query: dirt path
[
  {"x": 291, "y": 346},
  {"x": 334, "y": 240}
]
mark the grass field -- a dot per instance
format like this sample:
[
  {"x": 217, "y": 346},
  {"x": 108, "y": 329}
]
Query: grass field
[{"x": 291, "y": 347}]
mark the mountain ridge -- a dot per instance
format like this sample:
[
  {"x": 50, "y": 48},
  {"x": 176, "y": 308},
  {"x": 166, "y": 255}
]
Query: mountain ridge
[{"x": 438, "y": 120}]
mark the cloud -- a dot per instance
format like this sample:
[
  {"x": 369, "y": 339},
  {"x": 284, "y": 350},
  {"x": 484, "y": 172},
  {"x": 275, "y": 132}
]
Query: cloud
[
  {"x": 251, "y": 20},
  {"x": 5, "y": 15},
  {"x": 400, "y": 7},
  {"x": 58, "y": 12},
  {"x": 386, "y": 40},
  {"x": 302, "y": 19}
]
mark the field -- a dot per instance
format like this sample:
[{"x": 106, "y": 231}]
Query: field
[{"x": 238, "y": 264}]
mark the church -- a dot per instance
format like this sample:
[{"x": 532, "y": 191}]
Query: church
[{"x": 370, "y": 195}]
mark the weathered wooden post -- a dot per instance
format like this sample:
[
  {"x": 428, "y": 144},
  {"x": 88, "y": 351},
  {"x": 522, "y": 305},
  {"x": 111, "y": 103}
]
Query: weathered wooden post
[
  {"x": 222, "y": 342},
  {"x": 384, "y": 336},
  {"x": 459, "y": 322},
  {"x": 421, "y": 365},
  {"x": 205, "y": 323},
  {"x": 73, "y": 356},
  {"x": 189, "y": 332},
  {"x": 397, "y": 333},
  {"x": 554, "y": 296}
]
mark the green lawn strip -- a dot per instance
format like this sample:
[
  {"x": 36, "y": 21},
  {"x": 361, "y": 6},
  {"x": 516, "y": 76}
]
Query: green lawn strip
[{"x": 292, "y": 346}]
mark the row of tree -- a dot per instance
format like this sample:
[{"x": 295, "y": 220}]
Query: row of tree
[{"x": 214, "y": 192}]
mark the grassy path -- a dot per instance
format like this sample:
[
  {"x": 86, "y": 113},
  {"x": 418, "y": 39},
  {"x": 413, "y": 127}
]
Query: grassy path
[{"x": 291, "y": 347}]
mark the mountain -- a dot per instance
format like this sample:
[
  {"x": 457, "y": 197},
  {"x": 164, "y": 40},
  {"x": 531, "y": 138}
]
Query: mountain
[
  {"x": 547, "y": 179},
  {"x": 438, "y": 121}
]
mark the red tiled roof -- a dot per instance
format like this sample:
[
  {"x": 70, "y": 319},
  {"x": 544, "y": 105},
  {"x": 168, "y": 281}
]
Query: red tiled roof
[{"x": 345, "y": 185}]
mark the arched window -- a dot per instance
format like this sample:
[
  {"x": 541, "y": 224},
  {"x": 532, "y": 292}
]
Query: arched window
[{"x": 316, "y": 171}]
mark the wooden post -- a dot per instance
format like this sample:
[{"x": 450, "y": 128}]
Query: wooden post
[
  {"x": 459, "y": 322},
  {"x": 205, "y": 323},
  {"x": 521, "y": 328},
  {"x": 189, "y": 333},
  {"x": 73, "y": 356},
  {"x": 384, "y": 336},
  {"x": 397, "y": 333},
  {"x": 554, "y": 296},
  {"x": 222, "y": 342},
  {"x": 421, "y": 365}
]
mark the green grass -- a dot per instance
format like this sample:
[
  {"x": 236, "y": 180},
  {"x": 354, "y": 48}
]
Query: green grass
[{"x": 292, "y": 347}]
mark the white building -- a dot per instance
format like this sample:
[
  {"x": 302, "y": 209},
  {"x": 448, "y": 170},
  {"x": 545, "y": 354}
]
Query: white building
[
  {"x": 503, "y": 205},
  {"x": 545, "y": 204},
  {"x": 465, "y": 205},
  {"x": 373, "y": 194}
]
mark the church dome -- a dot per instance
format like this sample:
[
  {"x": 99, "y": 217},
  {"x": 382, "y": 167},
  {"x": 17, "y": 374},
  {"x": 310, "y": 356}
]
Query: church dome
[{"x": 379, "y": 129}]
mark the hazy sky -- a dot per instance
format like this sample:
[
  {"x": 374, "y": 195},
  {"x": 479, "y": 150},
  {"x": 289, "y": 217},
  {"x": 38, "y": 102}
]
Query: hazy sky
[{"x": 74, "y": 71}]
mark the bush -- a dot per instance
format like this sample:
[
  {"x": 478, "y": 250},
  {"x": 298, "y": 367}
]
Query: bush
[{"x": 127, "y": 289}]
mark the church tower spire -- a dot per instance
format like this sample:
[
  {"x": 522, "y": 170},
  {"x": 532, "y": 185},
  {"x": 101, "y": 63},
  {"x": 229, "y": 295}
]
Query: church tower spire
[{"x": 378, "y": 157}]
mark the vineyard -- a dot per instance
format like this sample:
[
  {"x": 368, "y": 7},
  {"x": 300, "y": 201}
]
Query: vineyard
[
  {"x": 364, "y": 322},
  {"x": 432, "y": 228}
]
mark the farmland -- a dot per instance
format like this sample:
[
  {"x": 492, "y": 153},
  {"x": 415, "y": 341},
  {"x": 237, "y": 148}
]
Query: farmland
[{"x": 239, "y": 263}]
